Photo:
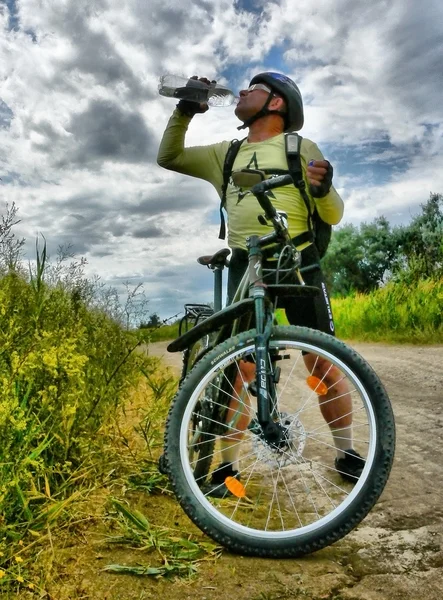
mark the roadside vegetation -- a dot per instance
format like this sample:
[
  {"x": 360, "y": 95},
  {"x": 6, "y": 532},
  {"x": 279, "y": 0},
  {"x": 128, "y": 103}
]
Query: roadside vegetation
[
  {"x": 397, "y": 313},
  {"x": 387, "y": 283},
  {"x": 82, "y": 408}
]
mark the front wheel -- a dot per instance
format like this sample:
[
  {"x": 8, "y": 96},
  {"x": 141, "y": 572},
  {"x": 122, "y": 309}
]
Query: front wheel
[{"x": 291, "y": 498}]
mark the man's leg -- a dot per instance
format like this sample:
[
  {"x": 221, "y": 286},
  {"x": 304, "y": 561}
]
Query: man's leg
[
  {"x": 336, "y": 405},
  {"x": 238, "y": 417},
  {"x": 336, "y": 408}
]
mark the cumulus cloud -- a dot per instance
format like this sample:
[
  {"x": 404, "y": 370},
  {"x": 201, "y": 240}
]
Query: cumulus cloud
[
  {"x": 104, "y": 131},
  {"x": 81, "y": 120}
]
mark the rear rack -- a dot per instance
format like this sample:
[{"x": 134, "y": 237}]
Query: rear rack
[{"x": 194, "y": 313}]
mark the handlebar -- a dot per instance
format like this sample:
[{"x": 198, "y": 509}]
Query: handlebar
[{"x": 259, "y": 190}]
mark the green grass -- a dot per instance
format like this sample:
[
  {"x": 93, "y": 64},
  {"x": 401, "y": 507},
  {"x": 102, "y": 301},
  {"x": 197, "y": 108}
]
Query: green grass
[
  {"x": 164, "y": 332},
  {"x": 397, "y": 313},
  {"x": 169, "y": 552}
]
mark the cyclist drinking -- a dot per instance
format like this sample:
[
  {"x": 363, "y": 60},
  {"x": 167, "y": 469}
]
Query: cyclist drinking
[{"x": 270, "y": 106}]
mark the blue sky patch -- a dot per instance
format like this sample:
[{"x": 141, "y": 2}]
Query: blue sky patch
[
  {"x": 14, "y": 19},
  {"x": 6, "y": 115},
  {"x": 252, "y": 6}
]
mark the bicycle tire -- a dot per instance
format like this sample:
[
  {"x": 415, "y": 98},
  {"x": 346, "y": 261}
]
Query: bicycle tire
[
  {"x": 204, "y": 437},
  {"x": 286, "y": 511}
]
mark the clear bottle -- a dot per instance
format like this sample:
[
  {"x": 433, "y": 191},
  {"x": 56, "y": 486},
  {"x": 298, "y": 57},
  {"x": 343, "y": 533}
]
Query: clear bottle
[{"x": 174, "y": 86}]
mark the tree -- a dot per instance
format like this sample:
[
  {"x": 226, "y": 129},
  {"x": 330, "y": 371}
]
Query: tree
[
  {"x": 358, "y": 258},
  {"x": 380, "y": 250},
  {"x": 153, "y": 322},
  {"x": 421, "y": 242},
  {"x": 341, "y": 263}
]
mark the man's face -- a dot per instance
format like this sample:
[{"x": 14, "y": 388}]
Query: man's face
[{"x": 251, "y": 101}]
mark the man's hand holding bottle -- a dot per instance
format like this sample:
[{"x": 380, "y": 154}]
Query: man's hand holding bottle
[{"x": 188, "y": 108}]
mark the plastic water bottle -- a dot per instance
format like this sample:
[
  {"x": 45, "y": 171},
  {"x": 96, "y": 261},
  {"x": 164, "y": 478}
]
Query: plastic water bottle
[{"x": 174, "y": 86}]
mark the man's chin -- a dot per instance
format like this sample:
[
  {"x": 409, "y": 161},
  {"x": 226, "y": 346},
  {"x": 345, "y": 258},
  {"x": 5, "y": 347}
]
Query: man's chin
[{"x": 238, "y": 114}]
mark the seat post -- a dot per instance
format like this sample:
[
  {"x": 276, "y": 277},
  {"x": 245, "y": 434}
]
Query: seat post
[{"x": 218, "y": 279}]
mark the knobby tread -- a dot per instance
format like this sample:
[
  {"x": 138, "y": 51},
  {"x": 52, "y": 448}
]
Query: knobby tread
[{"x": 346, "y": 521}]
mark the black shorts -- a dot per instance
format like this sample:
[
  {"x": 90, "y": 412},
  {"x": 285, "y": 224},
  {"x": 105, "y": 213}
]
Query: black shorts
[{"x": 309, "y": 312}]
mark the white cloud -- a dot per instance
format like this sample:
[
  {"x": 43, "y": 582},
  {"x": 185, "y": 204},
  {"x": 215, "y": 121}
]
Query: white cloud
[{"x": 79, "y": 80}]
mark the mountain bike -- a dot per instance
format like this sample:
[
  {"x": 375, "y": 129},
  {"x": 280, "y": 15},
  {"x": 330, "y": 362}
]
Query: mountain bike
[{"x": 290, "y": 499}]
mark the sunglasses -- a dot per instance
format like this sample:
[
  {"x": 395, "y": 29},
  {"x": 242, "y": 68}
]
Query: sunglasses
[{"x": 259, "y": 86}]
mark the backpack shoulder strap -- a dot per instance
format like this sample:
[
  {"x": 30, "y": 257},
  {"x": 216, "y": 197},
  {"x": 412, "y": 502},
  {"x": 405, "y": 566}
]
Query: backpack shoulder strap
[
  {"x": 293, "y": 151},
  {"x": 232, "y": 152}
]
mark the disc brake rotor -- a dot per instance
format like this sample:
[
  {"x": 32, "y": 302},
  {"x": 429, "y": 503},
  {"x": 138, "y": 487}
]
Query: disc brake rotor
[{"x": 289, "y": 451}]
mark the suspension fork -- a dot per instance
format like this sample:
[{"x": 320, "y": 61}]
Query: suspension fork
[{"x": 263, "y": 323}]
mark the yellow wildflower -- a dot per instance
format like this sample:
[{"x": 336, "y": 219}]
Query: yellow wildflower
[
  {"x": 2, "y": 573},
  {"x": 18, "y": 559},
  {"x": 31, "y": 586},
  {"x": 20, "y": 579}
]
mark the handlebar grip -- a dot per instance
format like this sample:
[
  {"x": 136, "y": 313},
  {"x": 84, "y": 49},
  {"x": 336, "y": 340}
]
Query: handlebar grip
[{"x": 260, "y": 188}]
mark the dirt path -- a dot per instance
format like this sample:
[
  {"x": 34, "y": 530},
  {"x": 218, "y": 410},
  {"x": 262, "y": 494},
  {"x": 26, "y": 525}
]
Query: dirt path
[{"x": 396, "y": 553}]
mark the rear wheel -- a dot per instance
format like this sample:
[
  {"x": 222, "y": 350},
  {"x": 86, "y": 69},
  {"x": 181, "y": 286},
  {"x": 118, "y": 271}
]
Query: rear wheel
[{"x": 292, "y": 500}]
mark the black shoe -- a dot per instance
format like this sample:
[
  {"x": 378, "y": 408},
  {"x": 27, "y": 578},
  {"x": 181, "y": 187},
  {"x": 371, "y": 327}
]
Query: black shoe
[
  {"x": 351, "y": 466},
  {"x": 216, "y": 488}
]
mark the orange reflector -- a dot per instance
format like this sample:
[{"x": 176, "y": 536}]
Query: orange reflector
[
  {"x": 317, "y": 385},
  {"x": 235, "y": 487}
]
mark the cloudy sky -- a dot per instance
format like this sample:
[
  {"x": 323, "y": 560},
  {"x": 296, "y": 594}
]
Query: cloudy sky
[{"x": 81, "y": 118}]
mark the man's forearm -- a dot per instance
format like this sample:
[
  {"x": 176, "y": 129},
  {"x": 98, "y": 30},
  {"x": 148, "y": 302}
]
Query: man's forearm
[
  {"x": 172, "y": 145},
  {"x": 330, "y": 207},
  {"x": 204, "y": 162}
]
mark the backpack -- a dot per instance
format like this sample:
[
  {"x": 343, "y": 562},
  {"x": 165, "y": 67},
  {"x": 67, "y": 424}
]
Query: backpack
[{"x": 319, "y": 232}]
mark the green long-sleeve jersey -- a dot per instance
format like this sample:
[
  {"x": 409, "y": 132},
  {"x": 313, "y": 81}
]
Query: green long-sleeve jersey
[{"x": 206, "y": 162}]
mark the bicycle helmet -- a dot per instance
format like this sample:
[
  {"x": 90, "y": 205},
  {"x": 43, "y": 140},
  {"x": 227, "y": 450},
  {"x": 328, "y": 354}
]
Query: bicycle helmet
[{"x": 286, "y": 88}]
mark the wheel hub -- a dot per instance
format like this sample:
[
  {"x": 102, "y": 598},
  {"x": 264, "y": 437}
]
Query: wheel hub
[{"x": 289, "y": 450}]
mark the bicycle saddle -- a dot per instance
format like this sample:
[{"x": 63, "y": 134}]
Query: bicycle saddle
[{"x": 215, "y": 260}]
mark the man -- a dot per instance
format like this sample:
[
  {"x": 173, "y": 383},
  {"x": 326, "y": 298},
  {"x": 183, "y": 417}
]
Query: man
[{"x": 271, "y": 105}]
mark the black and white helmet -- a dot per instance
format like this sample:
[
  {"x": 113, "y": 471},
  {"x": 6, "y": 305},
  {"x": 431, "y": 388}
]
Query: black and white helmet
[{"x": 286, "y": 88}]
